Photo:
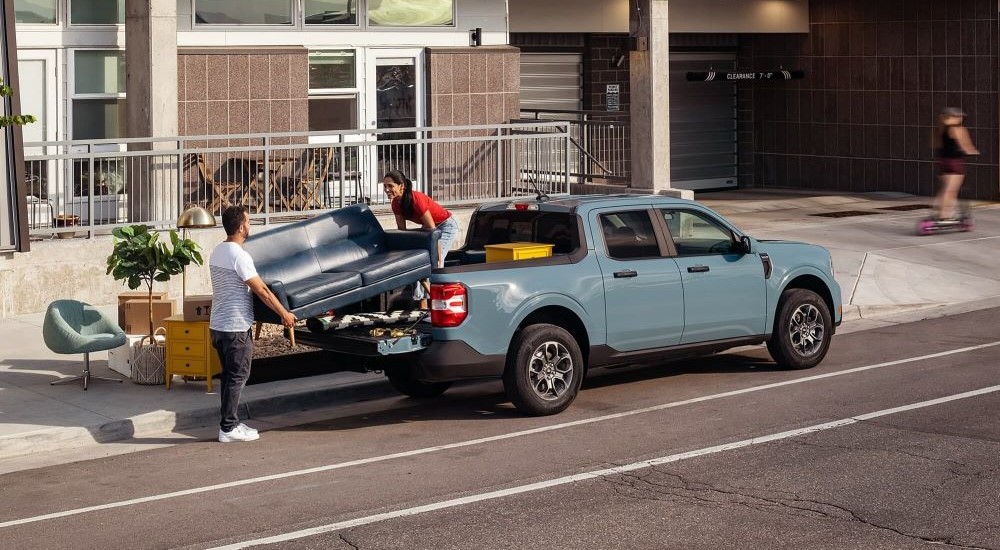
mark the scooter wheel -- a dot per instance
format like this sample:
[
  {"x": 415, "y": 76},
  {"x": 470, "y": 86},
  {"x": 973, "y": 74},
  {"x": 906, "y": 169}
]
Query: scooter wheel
[
  {"x": 967, "y": 225},
  {"x": 925, "y": 227}
]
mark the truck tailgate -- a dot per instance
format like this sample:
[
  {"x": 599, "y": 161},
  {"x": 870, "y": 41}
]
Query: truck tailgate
[{"x": 368, "y": 335}]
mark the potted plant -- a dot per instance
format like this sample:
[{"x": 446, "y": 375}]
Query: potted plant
[{"x": 138, "y": 258}]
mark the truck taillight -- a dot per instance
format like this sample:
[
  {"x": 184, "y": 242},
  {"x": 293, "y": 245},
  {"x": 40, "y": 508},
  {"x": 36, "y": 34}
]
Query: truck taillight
[{"x": 449, "y": 304}]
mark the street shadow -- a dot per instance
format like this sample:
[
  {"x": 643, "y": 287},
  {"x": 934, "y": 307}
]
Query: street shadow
[{"x": 477, "y": 401}]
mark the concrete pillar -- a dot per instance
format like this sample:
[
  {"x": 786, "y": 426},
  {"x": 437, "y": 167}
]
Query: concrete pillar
[
  {"x": 151, "y": 105},
  {"x": 649, "y": 81}
]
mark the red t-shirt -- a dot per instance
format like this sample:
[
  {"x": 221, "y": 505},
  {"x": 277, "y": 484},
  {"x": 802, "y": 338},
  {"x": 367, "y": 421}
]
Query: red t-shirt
[{"x": 422, "y": 203}]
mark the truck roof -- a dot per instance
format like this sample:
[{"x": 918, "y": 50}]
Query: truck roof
[{"x": 572, "y": 203}]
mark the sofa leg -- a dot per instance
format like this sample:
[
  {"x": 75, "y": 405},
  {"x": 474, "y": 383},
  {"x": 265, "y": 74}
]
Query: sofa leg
[{"x": 256, "y": 334}]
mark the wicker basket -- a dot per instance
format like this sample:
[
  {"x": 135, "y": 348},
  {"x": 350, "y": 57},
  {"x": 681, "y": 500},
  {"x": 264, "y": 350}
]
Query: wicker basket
[{"x": 150, "y": 359}]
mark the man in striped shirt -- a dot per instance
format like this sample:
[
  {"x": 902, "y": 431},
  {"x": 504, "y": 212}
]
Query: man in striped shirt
[{"x": 234, "y": 277}]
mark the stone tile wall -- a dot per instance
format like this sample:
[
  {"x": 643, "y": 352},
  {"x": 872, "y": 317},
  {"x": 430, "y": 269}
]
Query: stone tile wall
[
  {"x": 469, "y": 86},
  {"x": 237, "y": 91},
  {"x": 876, "y": 75}
]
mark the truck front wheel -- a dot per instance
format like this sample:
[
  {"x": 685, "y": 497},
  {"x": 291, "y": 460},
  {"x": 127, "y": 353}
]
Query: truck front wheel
[
  {"x": 544, "y": 370},
  {"x": 402, "y": 379},
  {"x": 803, "y": 329}
]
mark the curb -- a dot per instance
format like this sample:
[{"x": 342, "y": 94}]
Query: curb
[{"x": 159, "y": 423}]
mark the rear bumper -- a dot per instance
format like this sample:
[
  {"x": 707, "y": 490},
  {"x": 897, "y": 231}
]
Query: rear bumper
[{"x": 451, "y": 360}]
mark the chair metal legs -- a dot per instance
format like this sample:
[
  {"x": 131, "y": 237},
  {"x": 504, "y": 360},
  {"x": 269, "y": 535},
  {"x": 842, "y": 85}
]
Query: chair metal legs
[{"x": 85, "y": 376}]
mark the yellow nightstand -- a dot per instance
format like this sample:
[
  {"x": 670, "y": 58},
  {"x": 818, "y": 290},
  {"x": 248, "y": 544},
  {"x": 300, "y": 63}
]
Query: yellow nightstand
[{"x": 189, "y": 350}]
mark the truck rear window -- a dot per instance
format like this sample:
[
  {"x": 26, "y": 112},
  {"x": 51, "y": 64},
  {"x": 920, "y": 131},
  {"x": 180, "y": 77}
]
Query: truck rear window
[{"x": 560, "y": 229}]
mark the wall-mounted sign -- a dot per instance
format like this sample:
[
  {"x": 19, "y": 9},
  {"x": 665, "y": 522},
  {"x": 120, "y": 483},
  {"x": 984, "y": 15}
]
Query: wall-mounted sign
[
  {"x": 743, "y": 76},
  {"x": 612, "y": 98}
]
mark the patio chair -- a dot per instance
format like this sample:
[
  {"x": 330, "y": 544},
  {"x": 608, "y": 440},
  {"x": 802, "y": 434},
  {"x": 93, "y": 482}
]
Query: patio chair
[
  {"x": 72, "y": 327},
  {"x": 312, "y": 181}
]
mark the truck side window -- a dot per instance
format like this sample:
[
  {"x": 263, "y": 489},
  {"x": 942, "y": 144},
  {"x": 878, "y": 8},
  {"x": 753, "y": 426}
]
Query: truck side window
[
  {"x": 629, "y": 235},
  {"x": 697, "y": 235}
]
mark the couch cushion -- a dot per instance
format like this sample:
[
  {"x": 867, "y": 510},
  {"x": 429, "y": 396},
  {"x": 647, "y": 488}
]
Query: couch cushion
[
  {"x": 388, "y": 264},
  {"x": 283, "y": 254},
  {"x": 317, "y": 287}
]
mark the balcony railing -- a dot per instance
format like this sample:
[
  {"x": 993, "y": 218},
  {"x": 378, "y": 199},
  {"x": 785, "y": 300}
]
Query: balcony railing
[
  {"x": 93, "y": 186},
  {"x": 600, "y": 143}
]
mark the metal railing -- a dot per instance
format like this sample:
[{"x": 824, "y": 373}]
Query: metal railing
[
  {"x": 94, "y": 186},
  {"x": 600, "y": 143}
]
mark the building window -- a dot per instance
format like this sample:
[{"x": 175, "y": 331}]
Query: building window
[
  {"x": 98, "y": 94},
  {"x": 97, "y": 12},
  {"x": 242, "y": 12},
  {"x": 331, "y": 12},
  {"x": 42, "y": 12},
  {"x": 333, "y": 91},
  {"x": 411, "y": 13}
]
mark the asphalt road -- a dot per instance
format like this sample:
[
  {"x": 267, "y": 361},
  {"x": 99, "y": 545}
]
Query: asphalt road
[{"x": 893, "y": 442}]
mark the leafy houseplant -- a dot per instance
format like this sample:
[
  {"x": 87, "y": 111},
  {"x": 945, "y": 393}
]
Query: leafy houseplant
[
  {"x": 140, "y": 257},
  {"x": 15, "y": 120}
]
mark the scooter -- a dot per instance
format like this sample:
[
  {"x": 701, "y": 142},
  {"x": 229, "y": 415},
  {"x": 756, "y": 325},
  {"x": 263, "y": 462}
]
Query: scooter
[{"x": 932, "y": 225}]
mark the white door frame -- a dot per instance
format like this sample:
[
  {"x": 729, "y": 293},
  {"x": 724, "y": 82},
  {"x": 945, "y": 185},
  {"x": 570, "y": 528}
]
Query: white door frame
[
  {"x": 374, "y": 57},
  {"x": 39, "y": 213}
]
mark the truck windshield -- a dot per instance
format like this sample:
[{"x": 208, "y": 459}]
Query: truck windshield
[{"x": 559, "y": 229}]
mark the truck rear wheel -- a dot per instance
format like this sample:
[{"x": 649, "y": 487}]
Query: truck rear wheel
[
  {"x": 402, "y": 379},
  {"x": 803, "y": 328},
  {"x": 544, "y": 370}
]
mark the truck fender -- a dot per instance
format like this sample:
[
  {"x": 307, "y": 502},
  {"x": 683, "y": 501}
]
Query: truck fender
[
  {"x": 783, "y": 283},
  {"x": 535, "y": 303}
]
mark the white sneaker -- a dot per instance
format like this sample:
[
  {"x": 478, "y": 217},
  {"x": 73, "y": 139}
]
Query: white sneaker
[
  {"x": 248, "y": 428},
  {"x": 239, "y": 433}
]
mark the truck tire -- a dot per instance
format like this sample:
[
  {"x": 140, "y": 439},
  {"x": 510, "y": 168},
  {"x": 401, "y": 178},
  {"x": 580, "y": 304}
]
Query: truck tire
[
  {"x": 803, "y": 328},
  {"x": 544, "y": 370},
  {"x": 402, "y": 379}
]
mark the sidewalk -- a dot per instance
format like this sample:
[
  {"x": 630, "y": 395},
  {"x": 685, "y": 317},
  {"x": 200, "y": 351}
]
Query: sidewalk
[{"x": 882, "y": 269}]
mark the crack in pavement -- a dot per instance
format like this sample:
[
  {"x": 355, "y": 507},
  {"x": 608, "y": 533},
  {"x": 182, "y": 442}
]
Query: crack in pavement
[
  {"x": 343, "y": 537},
  {"x": 677, "y": 488}
]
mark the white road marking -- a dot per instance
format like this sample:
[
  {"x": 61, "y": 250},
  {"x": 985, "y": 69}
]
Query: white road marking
[
  {"x": 492, "y": 495},
  {"x": 482, "y": 440}
]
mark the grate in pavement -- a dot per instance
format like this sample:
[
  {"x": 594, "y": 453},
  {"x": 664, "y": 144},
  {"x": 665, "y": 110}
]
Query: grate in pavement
[
  {"x": 845, "y": 214},
  {"x": 906, "y": 207}
]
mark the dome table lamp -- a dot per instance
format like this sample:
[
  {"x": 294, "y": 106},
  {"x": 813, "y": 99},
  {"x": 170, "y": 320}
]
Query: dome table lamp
[{"x": 195, "y": 217}]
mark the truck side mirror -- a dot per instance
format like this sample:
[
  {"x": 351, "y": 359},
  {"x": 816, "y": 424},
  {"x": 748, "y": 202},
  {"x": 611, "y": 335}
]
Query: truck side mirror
[{"x": 747, "y": 244}]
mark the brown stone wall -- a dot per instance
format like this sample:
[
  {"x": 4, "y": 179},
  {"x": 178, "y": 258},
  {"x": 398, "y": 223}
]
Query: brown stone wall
[
  {"x": 238, "y": 91},
  {"x": 469, "y": 86},
  {"x": 876, "y": 75}
]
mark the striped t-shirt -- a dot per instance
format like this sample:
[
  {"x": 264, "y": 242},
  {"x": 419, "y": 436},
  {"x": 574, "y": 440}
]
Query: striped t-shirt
[{"x": 232, "y": 303}]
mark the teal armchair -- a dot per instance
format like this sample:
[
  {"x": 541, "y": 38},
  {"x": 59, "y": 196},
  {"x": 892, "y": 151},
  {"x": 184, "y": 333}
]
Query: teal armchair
[{"x": 72, "y": 327}]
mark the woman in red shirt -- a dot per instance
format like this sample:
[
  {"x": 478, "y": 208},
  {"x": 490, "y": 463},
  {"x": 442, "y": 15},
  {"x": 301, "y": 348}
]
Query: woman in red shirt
[{"x": 414, "y": 206}]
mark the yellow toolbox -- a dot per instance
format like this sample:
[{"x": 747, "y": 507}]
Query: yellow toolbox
[{"x": 517, "y": 251}]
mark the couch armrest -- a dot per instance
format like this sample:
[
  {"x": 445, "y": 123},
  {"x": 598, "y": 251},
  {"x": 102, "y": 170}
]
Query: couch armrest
[
  {"x": 278, "y": 288},
  {"x": 414, "y": 240},
  {"x": 263, "y": 313}
]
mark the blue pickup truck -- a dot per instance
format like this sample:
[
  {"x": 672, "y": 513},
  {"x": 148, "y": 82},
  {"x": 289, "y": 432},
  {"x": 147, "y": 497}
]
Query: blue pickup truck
[{"x": 631, "y": 279}]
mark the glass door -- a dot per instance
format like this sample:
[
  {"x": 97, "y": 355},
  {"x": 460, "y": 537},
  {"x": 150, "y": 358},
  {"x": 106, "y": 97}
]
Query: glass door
[
  {"x": 395, "y": 99},
  {"x": 37, "y": 72}
]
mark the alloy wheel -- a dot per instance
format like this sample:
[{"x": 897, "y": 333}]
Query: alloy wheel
[
  {"x": 806, "y": 330},
  {"x": 550, "y": 371}
]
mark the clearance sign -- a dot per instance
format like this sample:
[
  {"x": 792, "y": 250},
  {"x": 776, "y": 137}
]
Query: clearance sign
[{"x": 744, "y": 76}]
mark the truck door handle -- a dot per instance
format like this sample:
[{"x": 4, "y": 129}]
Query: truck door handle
[
  {"x": 698, "y": 269},
  {"x": 627, "y": 274}
]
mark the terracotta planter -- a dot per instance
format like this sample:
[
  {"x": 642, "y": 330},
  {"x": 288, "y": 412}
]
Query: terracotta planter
[{"x": 66, "y": 220}]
